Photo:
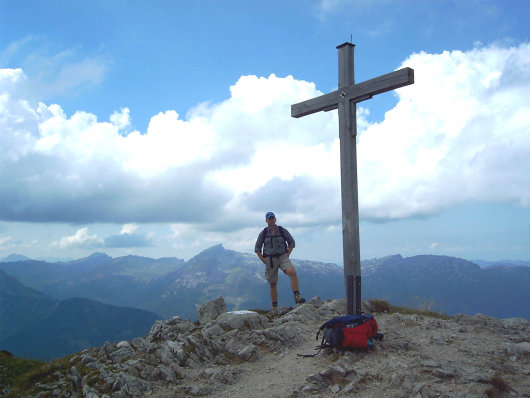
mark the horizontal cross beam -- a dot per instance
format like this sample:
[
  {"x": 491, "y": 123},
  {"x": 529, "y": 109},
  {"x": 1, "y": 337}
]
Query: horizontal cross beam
[{"x": 354, "y": 93}]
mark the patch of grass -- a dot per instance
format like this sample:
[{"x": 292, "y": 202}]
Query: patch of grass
[
  {"x": 380, "y": 306},
  {"x": 412, "y": 311},
  {"x": 383, "y": 306},
  {"x": 94, "y": 380},
  {"x": 499, "y": 386},
  {"x": 13, "y": 370},
  {"x": 22, "y": 377}
]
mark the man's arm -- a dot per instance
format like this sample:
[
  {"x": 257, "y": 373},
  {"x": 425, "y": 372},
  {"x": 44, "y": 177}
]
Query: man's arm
[
  {"x": 258, "y": 246},
  {"x": 290, "y": 242},
  {"x": 261, "y": 257}
]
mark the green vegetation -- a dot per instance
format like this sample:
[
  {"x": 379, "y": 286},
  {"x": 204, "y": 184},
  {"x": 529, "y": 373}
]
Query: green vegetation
[
  {"x": 22, "y": 377},
  {"x": 499, "y": 386},
  {"x": 381, "y": 306},
  {"x": 14, "y": 371}
]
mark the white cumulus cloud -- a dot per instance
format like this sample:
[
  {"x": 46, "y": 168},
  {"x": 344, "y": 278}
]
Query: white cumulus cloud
[
  {"x": 129, "y": 229},
  {"x": 129, "y": 237},
  {"x": 3, "y": 242},
  {"x": 460, "y": 133},
  {"x": 81, "y": 239}
]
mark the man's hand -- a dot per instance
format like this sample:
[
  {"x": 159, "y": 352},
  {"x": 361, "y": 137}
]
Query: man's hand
[
  {"x": 262, "y": 258},
  {"x": 289, "y": 250}
]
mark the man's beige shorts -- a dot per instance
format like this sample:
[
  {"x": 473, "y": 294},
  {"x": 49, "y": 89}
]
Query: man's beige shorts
[{"x": 282, "y": 262}]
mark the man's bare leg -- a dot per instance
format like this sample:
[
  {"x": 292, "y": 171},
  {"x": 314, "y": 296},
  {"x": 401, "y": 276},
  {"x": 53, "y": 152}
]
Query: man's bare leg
[
  {"x": 291, "y": 272},
  {"x": 273, "y": 293}
]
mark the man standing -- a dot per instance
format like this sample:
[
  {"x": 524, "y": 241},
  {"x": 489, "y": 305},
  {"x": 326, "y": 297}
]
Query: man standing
[{"x": 277, "y": 244}]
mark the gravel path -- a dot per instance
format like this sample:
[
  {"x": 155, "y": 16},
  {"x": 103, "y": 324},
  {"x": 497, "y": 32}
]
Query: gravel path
[
  {"x": 279, "y": 375},
  {"x": 420, "y": 356}
]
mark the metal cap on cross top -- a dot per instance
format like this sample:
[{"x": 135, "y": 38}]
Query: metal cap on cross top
[{"x": 345, "y": 99}]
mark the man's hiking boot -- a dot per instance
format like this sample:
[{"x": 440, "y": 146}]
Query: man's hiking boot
[
  {"x": 298, "y": 299},
  {"x": 274, "y": 305}
]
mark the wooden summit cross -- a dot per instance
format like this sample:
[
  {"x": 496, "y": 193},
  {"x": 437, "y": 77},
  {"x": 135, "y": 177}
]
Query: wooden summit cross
[{"x": 345, "y": 99}]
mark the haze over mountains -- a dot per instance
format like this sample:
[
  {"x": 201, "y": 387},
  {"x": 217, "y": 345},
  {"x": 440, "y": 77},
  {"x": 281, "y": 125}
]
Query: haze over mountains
[
  {"x": 481, "y": 263},
  {"x": 172, "y": 286},
  {"x": 34, "y": 325},
  {"x": 40, "y": 299}
]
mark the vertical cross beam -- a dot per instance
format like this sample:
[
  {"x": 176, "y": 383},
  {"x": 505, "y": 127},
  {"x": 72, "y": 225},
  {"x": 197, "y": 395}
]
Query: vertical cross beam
[
  {"x": 348, "y": 177},
  {"x": 345, "y": 99}
]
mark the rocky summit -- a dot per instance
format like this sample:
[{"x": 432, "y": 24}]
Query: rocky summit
[{"x": 245, "y": 353}]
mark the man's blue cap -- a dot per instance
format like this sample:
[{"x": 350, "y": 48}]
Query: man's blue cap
[{"x": 269, "y": 215}]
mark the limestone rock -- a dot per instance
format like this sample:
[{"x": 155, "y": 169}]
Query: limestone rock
[
  {"x": 515, "y": 324},
  {"x": 248, "y": 353},
  {"x": 123, "y": 353},
  {"x": 105, "y": 349},
  {"x": 130, "y": 386},
  {"x": 305, "y": 313},
  {"x": 170, "y": 329},
  {"x": 521, "y": 350},
  {"x": 211, "y": 310},
  {"x": 243, "y": 353},
  {"x": 242, "y": 320}
]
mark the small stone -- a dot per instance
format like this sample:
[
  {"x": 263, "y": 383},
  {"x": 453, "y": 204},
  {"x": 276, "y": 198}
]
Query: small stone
[
  {"x": 335, "y": 388},
  {"x": 430, "y": 364},
  {"x": 86, "y": 359},
  {"x": 248, "y": 353},
  {"x": 123, "y": 343},
  {"x": 122, "y": 354},
  {"x": 349, "y": 387},
  {"x": 443, "y": 373}
]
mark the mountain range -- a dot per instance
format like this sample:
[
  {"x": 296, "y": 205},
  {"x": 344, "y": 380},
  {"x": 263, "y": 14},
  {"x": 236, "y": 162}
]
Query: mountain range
[
  {"x": 34, "y": 325},
  {"x": 36, "y": 295},
  {"x": 504, "y": 263}
]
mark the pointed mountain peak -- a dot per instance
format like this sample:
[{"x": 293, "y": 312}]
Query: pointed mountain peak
[
  {"x": 210, "y": 257},
  {"x": 214, "y": 250}
]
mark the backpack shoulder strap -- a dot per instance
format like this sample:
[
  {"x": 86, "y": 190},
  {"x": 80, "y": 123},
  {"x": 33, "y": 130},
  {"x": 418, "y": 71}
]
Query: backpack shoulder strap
[
  {"x": 263, "y": 234},
  {"x": 280, "y": 228}
]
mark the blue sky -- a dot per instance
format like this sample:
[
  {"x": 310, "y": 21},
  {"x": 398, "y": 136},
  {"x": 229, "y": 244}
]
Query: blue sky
[{"x": 161, "y": 128}]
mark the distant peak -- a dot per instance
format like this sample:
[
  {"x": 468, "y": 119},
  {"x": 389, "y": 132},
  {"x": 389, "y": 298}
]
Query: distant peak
[
  {"x": 215, "y": 249},
  {"x": 99, "y": 255},
  {"x": 14, "y": 258},
  {"x": 393, "y": 257}
]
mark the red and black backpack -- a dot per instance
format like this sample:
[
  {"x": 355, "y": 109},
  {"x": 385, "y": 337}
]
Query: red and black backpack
[{"x": 349, "y": 331}]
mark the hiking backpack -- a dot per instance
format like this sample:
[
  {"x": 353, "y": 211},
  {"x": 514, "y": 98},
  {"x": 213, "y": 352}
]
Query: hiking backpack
[
  {"x": 349, "y": 331},
  {"x": 280, "y": 229}
]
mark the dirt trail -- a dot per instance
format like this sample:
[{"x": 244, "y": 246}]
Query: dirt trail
[
  {"x": 419, "y": 356},
  {"x": 278, "y": 375}
]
